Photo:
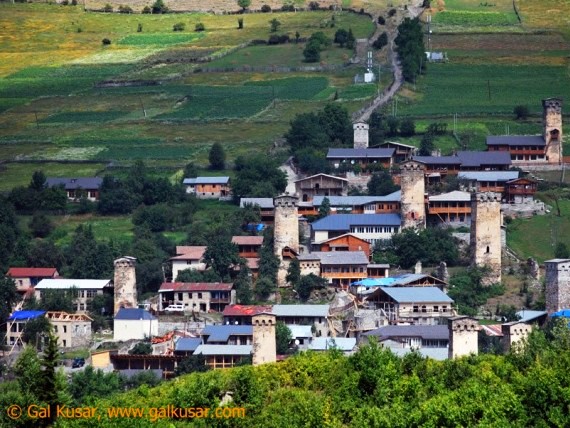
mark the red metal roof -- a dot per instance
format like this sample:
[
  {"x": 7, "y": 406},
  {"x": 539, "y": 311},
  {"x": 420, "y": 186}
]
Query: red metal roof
[
  {"x": 253, "y": 263},
  {"x": 17, "y": 272},
  {"x": 247, "y": 240},
  {"x": 189, "y": 252},
  {"x": 246, "y": 310},
  {"x": 195, "y": 286}
]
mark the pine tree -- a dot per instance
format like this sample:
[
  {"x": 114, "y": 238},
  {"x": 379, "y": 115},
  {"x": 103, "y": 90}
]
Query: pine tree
[{"x": 217, "y": 157}]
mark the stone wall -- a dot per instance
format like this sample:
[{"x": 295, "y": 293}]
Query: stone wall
[
  {"x": 552, "y": 117},
  {"x": 557, "y": 292},
  {"x": 360, "y": 135},
  {"x": 486, "y": 233},
  {"x": 125, "y": 283},
  {"x": 463, "y": 336},
  {"x": 412, "y": 182}
]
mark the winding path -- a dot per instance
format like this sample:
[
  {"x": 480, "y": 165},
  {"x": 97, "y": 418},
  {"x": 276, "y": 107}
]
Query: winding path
[{"x": 363, "y": 114}]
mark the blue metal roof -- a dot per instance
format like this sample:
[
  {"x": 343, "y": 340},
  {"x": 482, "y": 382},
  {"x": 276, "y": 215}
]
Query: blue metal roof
[
  {"x": 87, "y": 183},
  {"x": 188, "y": 344},
  {"x": 349, "y": 201},
  {"x": 488, "y": 175},
  {"x": 516, "y": 140},
  {"x": 344, "y": 222},
  {"x": 221, "y": 333},
  {"x": 25, "y": 315},
  {"x": 477, "y": 159},
  {"x": 417, "y": 294},
  {"x": 207, "y": 180},
  {"x": 132, "y": 314}
]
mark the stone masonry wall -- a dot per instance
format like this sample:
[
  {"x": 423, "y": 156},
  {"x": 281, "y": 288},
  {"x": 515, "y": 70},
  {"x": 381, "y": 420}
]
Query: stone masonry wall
[
  {"x": 412, "y": 182},
  {"x": 486, "y": 233}
]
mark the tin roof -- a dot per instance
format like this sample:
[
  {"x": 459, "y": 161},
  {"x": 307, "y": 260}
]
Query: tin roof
[
  {"x": 187, "y": 344},
  {"x": 245, "y": 310},
  {"x": 189, "y": 252},
  {"x": 134, "y": 314},
  {"x": 247, "y": 240},
  {"x": 455, "y": 196},
  {"x": 350, "y": 201},
  {"x": 87, "y": 183},
  {"x": 64, "y": 284},
  {"x": 300, "y": 310},
  {"x": 440, "y": 332},
  {"x": 359, "y": 153},
  {"x": 30, "y": 272},
  {"x": 344, "y": 222},
  {"x": 478, "y": 159},
  {"x": 417, "y": 294},
  {"x": 207, "y": 180},
  {"x": 222, "y": 333},
  {"x": 516, "y": 140},
  {"x": 262, "y": 202},
  {"x": 195, "y": 286},
  {"x": 338, "y": 257},
  {"x": 321, "y": 175},
  {"x": 488, "y": 175},
  {"x": 223, "y": 350}
]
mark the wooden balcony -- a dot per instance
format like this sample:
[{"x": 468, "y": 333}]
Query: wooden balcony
[
  {"x": 498, "y": 189},
  {"x": 449, "y": 210},
  {"x": 516, "y": 191},
  {"x": 343, "y": 275},
  {"x": 221, "y": 300}
]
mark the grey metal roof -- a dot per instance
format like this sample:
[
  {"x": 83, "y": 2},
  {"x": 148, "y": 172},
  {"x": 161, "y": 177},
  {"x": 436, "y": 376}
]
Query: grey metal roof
[
  {"x": 300, "y": 310},
  {"x": 221, "y": 333},
  {"x": 300, "y": 330},
  {"x": 321, "y": 175},
  {"x": 345, "y": 344},
  {"x": 359, "y": 153},
  {"x": 516, "y": 140},
  {"x": 437, "y": 160},
  {"x": 341, "y": 257},
  {"x": 488, "y": 175},
  {"x": 187, "y": 344},
  {"x": 455, "y": 196},
  {"x": 262, "y": 202},
  {"x": 439, "y": 354},
  {"x": 344, "y": 222},
  {"x": 66, "y": 283},
  {"x": 557, "y": 261},
  {"x": 207, "y": 180},
  {"x": 407, "y": 278},
  {"x": 527, "y": 315},
  {"x": 134, "y": 314},
  {"x": 417, "y": 294},
  {"x": 477, "y": 159},
  {"x": 349, "y": 201},
  {"x": 86, "y": 183},
  {"x": 224, "y": 350},
  {"x": 440, "y": 332}
]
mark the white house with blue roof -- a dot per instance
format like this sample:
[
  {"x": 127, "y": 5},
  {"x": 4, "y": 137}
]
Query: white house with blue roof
[
  {"x": 134, "y": 323},
  {"x": 370, "y": 227}
]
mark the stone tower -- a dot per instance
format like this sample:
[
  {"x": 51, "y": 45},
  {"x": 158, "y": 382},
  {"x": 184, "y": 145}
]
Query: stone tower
[
  {"x": 264, "y": 344},
  {"x": 412, "y": 182},
  {"x": 552, "y": 120},
  {"x": 557, "y": 291},
  {"x": 514, "y": 332},
  {"x": 125, "y": 283},
  {"x": 286, "y": 233},
  {"x": 360, "y": 135},
  {"x": 486, "y": 233},
  {"x": 463, "y": 340}
]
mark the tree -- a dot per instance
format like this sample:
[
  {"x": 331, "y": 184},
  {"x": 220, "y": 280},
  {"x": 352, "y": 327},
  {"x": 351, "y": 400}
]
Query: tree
[
  {"x": 38, "y": 182},
  {"x": 193, "y": 275},
  {"x": 40, "y": 225},
  {"x": 264, "y": 286},
  {"x": 521, "y": 112},
  {"x": 244, "y": 4},
  {"x": 159, "y": 7},
  {"x": 325, "y": 208},
  {"x": 222, "y": 255},
  {"x": 258, "y": 176},
  {"x": 381, "y": 184},
  {"x": 410, "y": 48},
  {"x": 381, "y": 41},
  {"x": 240, "y": 23},
  {"x": 407, "y": 128},
  {"x": 35, "y": 330},
  {"x": 243, "y": 285},
  {"x": 341, "y": 36},
  {"x": 48, "y": 392},
  {"x": 192, "y": 364},
  {"x": 294, "y": 273},
  {"x": 274, "y": 25},
  {"x": 426, "y": 145},
  {"x": 393, "y": 124},
  {"x": 141, "y": 348},
  {"x": 8, "y": 297},
  {"x": 190, "y": 171},
  {"x": 89, "y": 384},
  {"x": 283, "y": 337},
  {"x": 217, "y": 157},
  {"x": 28, "y": 372},
  {"x": 307, "y": 284},
  {"x": 350, "y": 40},
  {"x": 561, "y": 251}
]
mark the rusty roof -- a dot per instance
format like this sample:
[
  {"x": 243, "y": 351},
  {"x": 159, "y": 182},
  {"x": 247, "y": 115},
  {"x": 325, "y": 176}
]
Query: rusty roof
[
  {"x": 189, "y": 252},
  {"x": 246, "y": 310},
  {"x": 26, "y": 272},
  {"x": 247, "y": 240}
]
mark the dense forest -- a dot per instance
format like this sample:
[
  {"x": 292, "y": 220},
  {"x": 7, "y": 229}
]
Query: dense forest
[{"x": 372, "y": 388}]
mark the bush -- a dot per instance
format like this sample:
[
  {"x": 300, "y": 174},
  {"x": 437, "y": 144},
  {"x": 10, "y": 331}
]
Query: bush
[
  {"x": 391, "y": 12},
  {"x": 314, "y": 5},
  {"x": 125, "y": 9},
  {"x": 73, "y": 2},
  {"x": 139, "y": 28},
  {"x": 180, "y": 26},
  {"x": 521, "y": 112},
  {"x": 266, "y": 8},
  {"x": 381, "y": 20},
  {"x": 381, "y": 41},
  {"x": 407, "y": 128},
  {"x": 147, "y": 10},
  {"x": 108, "y": 8},
  {"x": 64, "y": 3},
  {"x": 79, "y": 30},
  {"x": 159, "y": 7},
  {"x": 240, "y": 23},
  {"x": 288, "y": 8},
  {"x": 200, "y": 27},
  {"x": 106, "y": 41}
]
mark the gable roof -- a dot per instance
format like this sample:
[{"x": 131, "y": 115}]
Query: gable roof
[
  {"x": 359, "y": 153},
  {"x": 344, "y": 222},
  {"x": 262, "y": 202},
  {"x": 322, "y": 175},
  {"x": 65, "y": 284},
  {"x": 194, "y": 252},
  {"x": 247, "y": 240},
  {"x": 195, "y": 286},
  {"x": 87, "y": 183},
  {"x": 134, "y": 314},
  {"x": 300, "y": 310},
  {"x": 440, "y": 332},
  {"x": 407, "y": 146},
  {"x": 222, "y": 333},
  {"x": 516, "y": 140},
  {"x": 477, "y": 159},
  {"x": 187, "y": 344},
  {"x": 352, "y": 235},
  {"x": 417, "y": 294},
  {"x": 437, "y": 160},
  {"x": 488, "y": 175},
  {"x": 345, "y": 344},
  {"x": 350, "y": 201},
  {"x": 207, "y": 180},
  {"x": 245, "y": 310},
  {"x": 338, "y": 257},
  {"x": 455, "y": 196},
  {"x": 224, "y": 350},
  {"x": 31, "y": 272}
]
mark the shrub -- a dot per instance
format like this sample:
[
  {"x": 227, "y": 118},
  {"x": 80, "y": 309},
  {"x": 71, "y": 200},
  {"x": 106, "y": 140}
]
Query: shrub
[
  {"x": 73, "y": 2},
  {"x": 314, "y": 5},
  {"x": 381, "y": 41},
  {"x": 521, "y": 112},
  {"x": 108, "y": 8},
  {"x": 381, "y": 20},
  {"x": 139, "y": 28},
  {"x": 240, "y": 23},
  {"x": 288, "y": 8},
  {"x": 106, "y": 41},
  {"x": 180, "y": 26},
  {"x": 274, "y": 24},
  {"x": 200, "y": 27},
  {"x": 79, "y": 30},
  {"x": 391, "y": 12},
  {"x": 159, "y": 7},
  {"x": 125, "y": 9},
  {"x": 146, "y": 10},
  {"x": 64, "y": 3},
  {"x": 266, "y": 8}
]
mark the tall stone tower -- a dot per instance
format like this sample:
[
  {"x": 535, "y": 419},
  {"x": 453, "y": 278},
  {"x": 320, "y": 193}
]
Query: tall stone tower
[
  {"x": 486, "y": 233},
  {"x": 557, "y": 292},
  {"x": 463, "y": 332},
  {"x": 286, "y": 233},
  {"x": 264, "y": 343},
  {"x": 360, "y": 135},
  {"x": 125, "y": 283},
  {"x": 513, "y": 333},
  {"x": 552, "y": 120},
  {"x": 412, "y": 182}
]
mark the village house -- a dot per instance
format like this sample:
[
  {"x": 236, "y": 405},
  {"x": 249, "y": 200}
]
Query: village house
[
  {"x": 320, "y": 185},
  {"x": 370, "y": 284},
  {"x": 224, "y": 356},
  {"x": 134, "y": 323},
  {"x": 346, "y": 345},
  {"x": 208, "y": 187},
  {"x": 370, "y": 227},
  {"x": 389, "y": 204},
  {"x": 72, "y": 330},
  {"x": 340, "y": 269},
  {"x": 229, "y": 334},
  {"x": 26, "y": 277},
  {"x": 450, "y": 209},
  {"x": 77, "y": 188},
  {"x": 196, "y": 297},
  {"x": 188, "y": 257},
  {"x": 84, "y": 290},
  {"x": 346, "y": 242},
  {"x": 416, "y": 305},
  {"x": 402, "y": 152},
  {"x": 242, "y": 314},
  {"x": 266, "y": 208},
  {"x": 513, "y": 189},
  {"x": 186, "y": 346},
  {"x": 363, "y": 157}
]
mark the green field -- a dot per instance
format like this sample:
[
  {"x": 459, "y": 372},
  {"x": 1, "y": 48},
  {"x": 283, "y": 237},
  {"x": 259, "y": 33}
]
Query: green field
[{"x": 104, "y": 228}]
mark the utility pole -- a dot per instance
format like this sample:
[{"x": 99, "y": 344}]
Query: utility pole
[
  {"x": 142, "y": 105},
  {"x": 489, "y": 88}
]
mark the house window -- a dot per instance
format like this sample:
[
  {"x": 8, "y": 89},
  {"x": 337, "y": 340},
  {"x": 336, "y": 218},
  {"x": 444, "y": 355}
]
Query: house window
[
  {"x": 416, "y": 309},
  {"x": 488, "y": 251},
  {"x": 65, "y": 329},
  {"x": 199, "y": 295},
  {"x": 180, "y": 296}
]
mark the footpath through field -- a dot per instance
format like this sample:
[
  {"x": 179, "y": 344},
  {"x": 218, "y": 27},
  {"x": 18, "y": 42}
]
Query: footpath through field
[{"x": 363, "y": 114}]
